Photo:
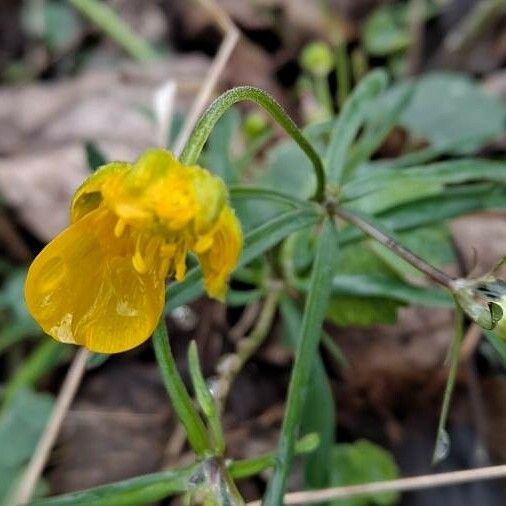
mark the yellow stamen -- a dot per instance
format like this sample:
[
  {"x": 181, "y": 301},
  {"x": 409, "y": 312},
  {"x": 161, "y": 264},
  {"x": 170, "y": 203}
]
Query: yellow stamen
[
  {"x": 180, "y": 262},
  {"x": 119, "y": 228},
  {"x": 138, "y": 260}
]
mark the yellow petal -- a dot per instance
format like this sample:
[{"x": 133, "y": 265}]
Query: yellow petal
[
  {"x": 89, "y": 195},
  {"x": 83, "y": 289},
  {"x": 221, "y": 258}
]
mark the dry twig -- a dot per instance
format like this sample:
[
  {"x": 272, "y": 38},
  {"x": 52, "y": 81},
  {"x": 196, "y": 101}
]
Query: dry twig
[
  {"x": 220, "y": 60},
  {"x": 48, "y": 438},
  {"x": 401, "y": 485}
]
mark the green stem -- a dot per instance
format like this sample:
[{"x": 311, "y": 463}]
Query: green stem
[
  {"x": 441, "y": 447},
  {"x": 249, "y": 467},
  {"x": 181, "y": 400},
  {"x": 342, "y": 73},
  {"x": 322, "y": 92},
  {"x": 208, "y": 120},
  {"x": 108, "y": 21},
  {"x": 314, "y": 315}
]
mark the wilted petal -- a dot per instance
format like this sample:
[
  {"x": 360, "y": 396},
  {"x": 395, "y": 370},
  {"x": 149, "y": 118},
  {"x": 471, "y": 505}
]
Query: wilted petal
[{"x": 220, "y": 259}]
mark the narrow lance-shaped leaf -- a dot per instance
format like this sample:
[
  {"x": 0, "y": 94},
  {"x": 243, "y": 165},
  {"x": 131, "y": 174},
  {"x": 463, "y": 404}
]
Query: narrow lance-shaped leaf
[
  {"x": 319, "y": 411},
  {"x": 182, "y": 402},
  {"x": 349, "y": 122},
  {"x": 314, "y": 315}
]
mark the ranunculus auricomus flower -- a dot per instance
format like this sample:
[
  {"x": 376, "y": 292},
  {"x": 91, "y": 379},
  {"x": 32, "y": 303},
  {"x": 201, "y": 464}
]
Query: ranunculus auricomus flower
[{"x": 101, "y": 282}]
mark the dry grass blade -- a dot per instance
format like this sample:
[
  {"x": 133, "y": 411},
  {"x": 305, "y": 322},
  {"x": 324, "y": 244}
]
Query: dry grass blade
[
  {"x": 226, "y": 47},
  {"x": 48, "y": 438},
  {"x": 401, "y": 485}
]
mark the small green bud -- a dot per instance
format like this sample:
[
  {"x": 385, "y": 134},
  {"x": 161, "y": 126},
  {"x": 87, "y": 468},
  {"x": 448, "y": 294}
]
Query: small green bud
[
  {"x": 316, "y": 58},
  {"x": 255, "y": 124},
  {"x": 484, "y": 301}
]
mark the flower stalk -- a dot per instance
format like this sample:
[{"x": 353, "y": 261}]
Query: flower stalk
[{"x": 208, "y": 120}]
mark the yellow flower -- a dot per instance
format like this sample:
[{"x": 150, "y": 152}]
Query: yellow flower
[{"x": 101, "y": 282}]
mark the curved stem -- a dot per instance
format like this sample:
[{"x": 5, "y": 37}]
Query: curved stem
[
  {"x": 418, "y": 263},
  {"x": 214, "y": 112}
]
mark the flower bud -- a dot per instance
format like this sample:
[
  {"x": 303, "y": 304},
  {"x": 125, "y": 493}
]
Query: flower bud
[
  {"x": 317, "y": 59},
  {"x": 484, "y": 301},
  {"x": 255, "y": 124}
]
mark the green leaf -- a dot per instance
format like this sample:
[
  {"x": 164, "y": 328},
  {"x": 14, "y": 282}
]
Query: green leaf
[
  {"x": 377, "y": 131},
  {"x": 451, "y": 111},
  {"x": 457, "y": 202},
  {"x": 386, "y": 30},
  {"x": 347, "y": 311},
  {"x": 95, "y": 360},
  {"x": 47, "y": 355},
  {"x": 310, "y": 332},
  {"x": 377, "y": 288},
  {"x": 94, "y": 156},
  {"x": 431, "y": 243},
  {"x": 255, "y": 205},
  {"x": 205, "y": 399},
  {"x": 255, "y": 193},
  {"x": 349, "y": 121},
  {"x": 181, "y": 400},
  {"x": 318, "y": 415},
  {"x": 12, "y": 299},
  {"x": 497, "y": 343},
  {"x": 135, "y": 491},
  {"x": 363, "y": 462},
  {"x": 442, "y": 173},
  {"x": 243, "y": 297},
  {"x": 369, "y": 282},
  {"x": 404, "y": 190},
  {"x": 290, "y": 170},
  {"x": 54, "y": 22},
  {"x": 21, "y": 425}
]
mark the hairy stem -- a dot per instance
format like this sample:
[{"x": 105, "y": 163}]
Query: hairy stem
[{"x": 214, "y": 112}]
